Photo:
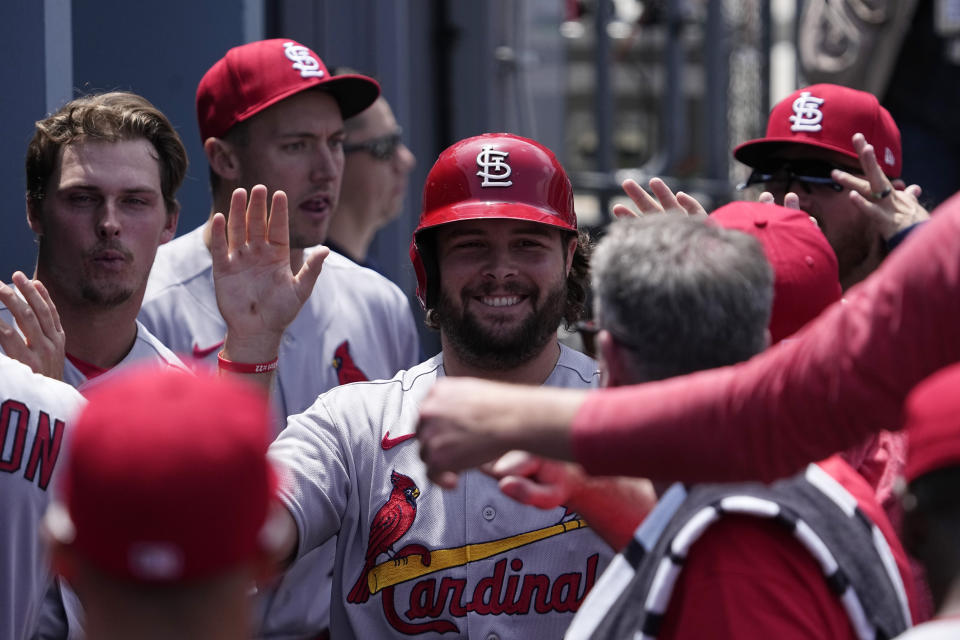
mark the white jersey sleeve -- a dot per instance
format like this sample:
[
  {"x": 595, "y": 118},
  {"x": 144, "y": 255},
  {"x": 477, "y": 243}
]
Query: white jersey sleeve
[{"x": 35, "y": 418}]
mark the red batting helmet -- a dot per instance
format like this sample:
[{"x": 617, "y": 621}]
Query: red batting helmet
[{"x": 491, "y": 176}]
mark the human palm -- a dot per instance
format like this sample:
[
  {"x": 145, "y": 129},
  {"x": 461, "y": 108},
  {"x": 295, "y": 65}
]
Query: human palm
[{"x": 257, "y": 292}]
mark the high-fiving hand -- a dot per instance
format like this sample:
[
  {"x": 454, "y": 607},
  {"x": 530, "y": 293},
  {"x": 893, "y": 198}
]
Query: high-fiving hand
[
  {"x": 257, "y": 292},
  {"x": 40, "y": 343}
]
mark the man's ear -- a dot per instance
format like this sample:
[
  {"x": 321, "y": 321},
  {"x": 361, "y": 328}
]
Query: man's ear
[
  {"x": 33, "y": 216},
  {"x": 170, "y": 228},
  {"x": 223, "y": 158},
  {"x": 613, "y": 360},
  {"x": 571, "y": 250}
]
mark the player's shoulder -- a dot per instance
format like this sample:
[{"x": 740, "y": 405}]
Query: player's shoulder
[
  {"x": 574, "y": 369},
  {"x": 20, "y": 383},
  {"x": 407, "y": 383},
  {"x": 179, "y": 261}
]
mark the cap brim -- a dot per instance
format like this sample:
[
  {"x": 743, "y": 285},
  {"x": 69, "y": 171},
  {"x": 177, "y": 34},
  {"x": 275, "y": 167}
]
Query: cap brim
[
  {"x": 353, "y": 93},
  {"x": 754, "y": 152}
]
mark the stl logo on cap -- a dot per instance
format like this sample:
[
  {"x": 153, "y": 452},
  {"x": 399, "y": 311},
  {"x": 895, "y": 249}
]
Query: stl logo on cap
[
  {"x": 303, "y": 60},
  {"x": 493, "y": 167},
  {"x": 806, "y": 113}
]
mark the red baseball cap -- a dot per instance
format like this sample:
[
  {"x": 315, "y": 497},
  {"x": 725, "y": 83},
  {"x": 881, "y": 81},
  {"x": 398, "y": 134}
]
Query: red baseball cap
[
  {"x": 806, "y": 278},
  {"x": 254, "y": 76},
  {"x": 933, "y": 424},
  {"x": 826, "y": 116},
  {"x": 167, "y": 477}
]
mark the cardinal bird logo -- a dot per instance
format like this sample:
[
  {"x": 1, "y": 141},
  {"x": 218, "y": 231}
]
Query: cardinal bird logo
[
  {"x": 389, "y": 525},
  {"x": 347, "y": 370}
]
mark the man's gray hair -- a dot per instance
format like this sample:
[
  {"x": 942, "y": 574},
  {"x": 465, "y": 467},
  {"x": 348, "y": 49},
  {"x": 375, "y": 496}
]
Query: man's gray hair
[{"x": 681, "y": 294}]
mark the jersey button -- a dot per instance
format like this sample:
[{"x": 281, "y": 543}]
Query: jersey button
[
  {"x": 493, "y": 636},
  {"x": 489, "y": 513}
]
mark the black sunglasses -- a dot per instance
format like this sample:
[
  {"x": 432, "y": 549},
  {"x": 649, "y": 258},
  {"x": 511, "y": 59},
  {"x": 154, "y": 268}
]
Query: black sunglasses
[
  {"x": 382, "y": 148},
  {"x": 588, "y": 330},
  {"x": 806, "y": 173}
]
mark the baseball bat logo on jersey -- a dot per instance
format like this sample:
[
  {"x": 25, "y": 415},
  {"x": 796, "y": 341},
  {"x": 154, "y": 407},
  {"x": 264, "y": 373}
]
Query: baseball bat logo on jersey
[
  {"x": 506, "y": 591},
  {"x": 347, "y": 370}
]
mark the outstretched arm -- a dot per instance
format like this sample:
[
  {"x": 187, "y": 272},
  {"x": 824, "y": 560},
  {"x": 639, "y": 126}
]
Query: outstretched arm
[
  {"x": 840, "y": 379},
  {"x": 257, "y": 293}
]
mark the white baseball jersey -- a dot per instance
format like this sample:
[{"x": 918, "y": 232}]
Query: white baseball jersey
[
  {"x": 356, "y": 325},
  {"x": 414, "y": 559},
  {"x": 35, "y": 416},
  {"x": 58, "y": 615},
  {"x": 146, "y": 348}
]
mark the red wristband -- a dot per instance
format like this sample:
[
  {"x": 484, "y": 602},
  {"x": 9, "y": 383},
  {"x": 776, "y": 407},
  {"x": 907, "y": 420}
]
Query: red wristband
[{"x": 245, "y": 367}]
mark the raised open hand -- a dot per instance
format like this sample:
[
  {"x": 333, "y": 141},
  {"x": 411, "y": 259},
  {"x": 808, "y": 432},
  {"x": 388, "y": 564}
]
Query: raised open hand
[
  {"x": 257, "y": 292},
  {"x": 891, "y": 209},
  {"x": 666, "y": 201},
  {"x": 40, "y": 343}
]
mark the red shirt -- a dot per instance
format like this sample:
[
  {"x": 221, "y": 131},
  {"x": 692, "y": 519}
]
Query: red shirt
[
  {"x": 844, "y": 377},
  {"x": 748, "y": 577}
]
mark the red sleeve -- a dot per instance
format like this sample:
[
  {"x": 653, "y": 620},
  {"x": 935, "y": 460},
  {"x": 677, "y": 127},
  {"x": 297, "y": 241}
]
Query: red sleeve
[
  {"x": 844, "y": 376},
  {"x": 750, "y": 578}
]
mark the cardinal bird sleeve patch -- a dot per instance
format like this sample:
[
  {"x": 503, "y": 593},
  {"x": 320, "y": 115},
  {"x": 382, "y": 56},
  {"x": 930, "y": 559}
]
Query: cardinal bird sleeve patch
[{"x": 347, "y": 370}]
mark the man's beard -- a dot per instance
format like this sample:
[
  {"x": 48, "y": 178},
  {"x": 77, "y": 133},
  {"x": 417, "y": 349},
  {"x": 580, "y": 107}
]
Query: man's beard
[
  {"x": 104, "y": 297},
  {"x": 110, "y": 289},
  {"x": 483, "y": 347}
]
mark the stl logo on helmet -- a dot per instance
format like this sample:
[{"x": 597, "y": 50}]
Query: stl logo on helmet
[
  {"x": 806, "y": 113},
  {"x": 303, "y": 60},
  {"x": 493, "y": 167}
]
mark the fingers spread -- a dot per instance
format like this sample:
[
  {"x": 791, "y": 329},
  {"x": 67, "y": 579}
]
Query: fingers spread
[
  {"x": 664, "y": 195},
  {"x": 256, "y": 215},
  {"x": 219, "y": 249},
  {"x": 58, "y": 326},
  {"x": 641, "y": 198},
  {"x": 869, "y": 164},
  {"x": 37, "y": 311},
  {"x": 691, "y": 205},
  {"x": 278, "y": 232},
  {"x": 306, "y": 278},
  {"x": 236, "y": 220}
]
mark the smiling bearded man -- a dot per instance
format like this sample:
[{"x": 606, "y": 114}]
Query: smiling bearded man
[
  {"x": 499, "y": 255},
  {"x": 502, "y": 342}
]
